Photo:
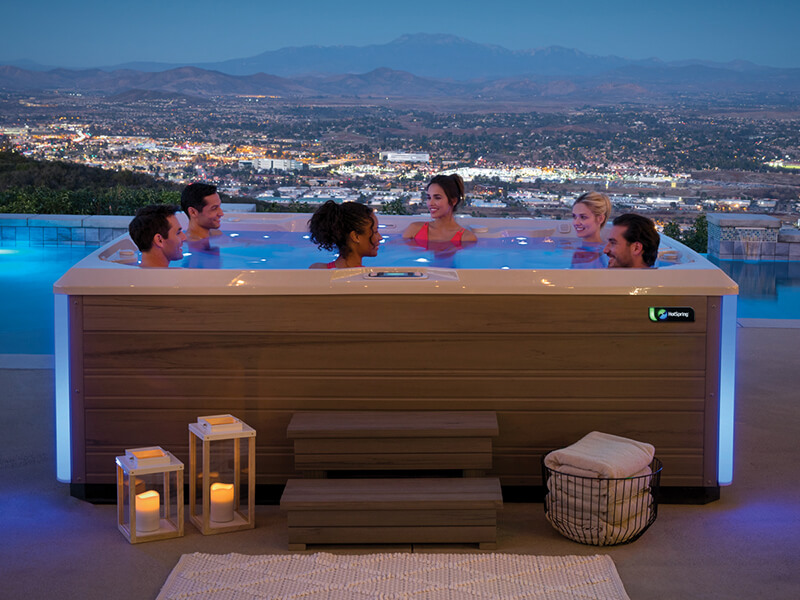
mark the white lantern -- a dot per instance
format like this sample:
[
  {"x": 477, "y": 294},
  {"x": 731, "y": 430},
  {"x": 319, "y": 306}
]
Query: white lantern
[
  {"x": 149, "y": 495},
  {"x": 222, "y": 474}
]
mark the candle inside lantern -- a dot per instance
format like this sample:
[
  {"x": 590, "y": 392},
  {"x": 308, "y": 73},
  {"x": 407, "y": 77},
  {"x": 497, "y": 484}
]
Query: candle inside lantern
[
  {"x": 221, "y": 502},
  {"x": 148, "y": 509}
]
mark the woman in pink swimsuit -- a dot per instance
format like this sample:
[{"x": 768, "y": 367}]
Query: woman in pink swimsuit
[
  {"x": 444, "y": 193},
  {"x": 351, "y": 228}
]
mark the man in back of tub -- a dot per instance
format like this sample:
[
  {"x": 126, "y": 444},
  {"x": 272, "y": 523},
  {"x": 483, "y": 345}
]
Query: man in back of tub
[
  {"x": 157, "y": 233},
  {"x": 201, "y": 203},
  {"x": 632, "y": 243}
]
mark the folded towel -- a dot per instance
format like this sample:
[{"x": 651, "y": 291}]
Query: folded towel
[
  {"x": 598, "y": 534},
  {"x": 592, "y": 489},
  {"x": 603, "y": 455},
  {"x": 614, "y": 513},
  {"x": 590, "y": 521},
  {"x": 591, "y": 529}
]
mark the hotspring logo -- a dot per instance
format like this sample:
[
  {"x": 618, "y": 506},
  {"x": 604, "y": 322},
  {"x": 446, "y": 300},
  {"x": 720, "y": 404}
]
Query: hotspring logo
[{"x": 658, "y": 313}]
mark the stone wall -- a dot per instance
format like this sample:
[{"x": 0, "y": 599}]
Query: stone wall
[
  {"x": 60, "y": 230},
  {"x": 751, "y": 237}
]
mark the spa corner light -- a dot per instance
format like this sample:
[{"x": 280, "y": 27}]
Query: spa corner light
[
  {"x": 149, "y": 495},
  {"x": 222, "y": 474}
]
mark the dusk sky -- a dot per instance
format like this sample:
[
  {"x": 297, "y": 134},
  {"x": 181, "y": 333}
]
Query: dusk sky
[{"x": 94, "y": 33}]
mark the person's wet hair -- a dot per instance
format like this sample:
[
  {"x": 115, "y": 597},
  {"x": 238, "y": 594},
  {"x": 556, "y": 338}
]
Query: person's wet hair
[
  {"x": 331, "y": 224},
  {"x": 149, "y": 221},
  {"x": 453, "y": 187},
  {"x": 193, "y": 196},
  {"x": 598, "y": 203},
  {"x": 643, "y": 230}
]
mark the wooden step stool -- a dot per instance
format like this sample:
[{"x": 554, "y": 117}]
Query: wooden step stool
[
  {"x": 392, "y": 511},
  {"x": 436, "y": 440}
]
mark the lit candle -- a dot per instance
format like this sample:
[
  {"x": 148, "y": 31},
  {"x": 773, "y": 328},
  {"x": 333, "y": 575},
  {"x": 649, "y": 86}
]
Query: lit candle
[
  {"x": 148, "y": 507},
  {"x": 221, "y": 502}
]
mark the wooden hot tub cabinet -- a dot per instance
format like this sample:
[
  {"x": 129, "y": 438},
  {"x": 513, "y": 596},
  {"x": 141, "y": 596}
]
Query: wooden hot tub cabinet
[{"x": 553, "y": 367}]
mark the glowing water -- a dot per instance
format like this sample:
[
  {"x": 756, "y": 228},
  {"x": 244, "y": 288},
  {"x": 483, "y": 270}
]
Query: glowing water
[{"x": 294, "y": 250}]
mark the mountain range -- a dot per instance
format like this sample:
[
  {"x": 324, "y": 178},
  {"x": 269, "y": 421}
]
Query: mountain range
[{"x": 418, "y": 66}]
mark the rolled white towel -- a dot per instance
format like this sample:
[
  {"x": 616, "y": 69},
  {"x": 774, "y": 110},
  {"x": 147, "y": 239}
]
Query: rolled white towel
[
  {"x": 613, "y": 513},
  {"x": 590, "y": 528},
  {"x": 603, "y": 455},
  {"x": 593, "y": 489}
]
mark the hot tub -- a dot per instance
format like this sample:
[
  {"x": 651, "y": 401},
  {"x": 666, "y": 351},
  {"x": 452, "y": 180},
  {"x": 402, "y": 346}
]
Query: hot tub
[{"x": 556, "y": 352}]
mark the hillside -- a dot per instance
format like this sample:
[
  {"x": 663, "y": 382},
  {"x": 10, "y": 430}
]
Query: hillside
[
  {"x": 42, "y": 187},
  {"x": 17, "y": 171}
]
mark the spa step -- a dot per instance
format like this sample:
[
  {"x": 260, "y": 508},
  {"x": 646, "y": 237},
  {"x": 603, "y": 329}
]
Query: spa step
[
  {"x": 436, "y": 440},
  {"x": 392, "y": 511}
]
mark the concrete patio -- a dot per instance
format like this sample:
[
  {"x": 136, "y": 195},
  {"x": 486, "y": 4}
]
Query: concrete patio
[{"x": 746, "y": 545}]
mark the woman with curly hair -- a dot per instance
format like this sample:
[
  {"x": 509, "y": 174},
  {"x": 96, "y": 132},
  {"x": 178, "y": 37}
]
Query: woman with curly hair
[{"x": 350, "y": 228}]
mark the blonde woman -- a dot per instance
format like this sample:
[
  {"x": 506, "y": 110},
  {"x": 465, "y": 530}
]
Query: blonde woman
[{"x": 590, "y": 213}]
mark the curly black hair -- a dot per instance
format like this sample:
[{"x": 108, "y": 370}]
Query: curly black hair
[{"x": 331, "y": 224}]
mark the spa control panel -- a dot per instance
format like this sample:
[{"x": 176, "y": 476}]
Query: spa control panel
[{"x": 396, "y": 274}]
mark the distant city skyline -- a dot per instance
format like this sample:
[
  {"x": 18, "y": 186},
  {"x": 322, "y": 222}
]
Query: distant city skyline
[{"x": 94, "y": 34}]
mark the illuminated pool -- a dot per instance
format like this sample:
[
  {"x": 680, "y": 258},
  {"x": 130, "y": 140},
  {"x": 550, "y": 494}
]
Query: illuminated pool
[
  {"x": 767, "y": 289},
  {"x": 27, "y": 275}
]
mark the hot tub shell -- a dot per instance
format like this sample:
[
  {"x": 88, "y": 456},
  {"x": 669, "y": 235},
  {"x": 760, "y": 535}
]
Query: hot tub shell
[{"x": 556, "y": 353}]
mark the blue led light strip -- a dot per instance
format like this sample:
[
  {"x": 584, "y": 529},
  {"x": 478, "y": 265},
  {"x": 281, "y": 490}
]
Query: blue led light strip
[
  {"x": 63, "y": 439},
  {"x": 727, "y": 385}
]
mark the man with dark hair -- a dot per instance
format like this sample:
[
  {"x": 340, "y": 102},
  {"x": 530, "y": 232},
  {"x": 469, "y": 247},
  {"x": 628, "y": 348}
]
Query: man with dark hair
[
  {"x": 201, "y": 203},
  {"x": 633, "y": 242},
  {"x": 157, "y": 233}
]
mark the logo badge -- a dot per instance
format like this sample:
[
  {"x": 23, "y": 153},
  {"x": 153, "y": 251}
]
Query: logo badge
[{"x": 661, "y": 313}]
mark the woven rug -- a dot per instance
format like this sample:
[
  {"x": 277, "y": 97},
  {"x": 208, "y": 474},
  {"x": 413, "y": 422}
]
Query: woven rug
[{"x": 392, "y": 576}]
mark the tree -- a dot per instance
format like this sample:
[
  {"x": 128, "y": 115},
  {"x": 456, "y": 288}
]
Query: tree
[
  {"x": 395, "y": 207},
  {"x": 672, "y": 230},
  {"x": 697, "y": 235}
]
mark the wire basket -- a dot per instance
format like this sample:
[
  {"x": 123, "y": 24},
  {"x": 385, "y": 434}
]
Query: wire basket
[{"x": 598, "y": 511}]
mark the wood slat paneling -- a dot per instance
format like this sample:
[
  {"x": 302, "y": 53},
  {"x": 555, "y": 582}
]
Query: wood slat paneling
[
  {"x": 392, "y": 446},
  {"x": 552, "y": 429},
  {"x": 513, "y": 468},
  {"x": 401, "y": 424},
  {"x": 422, "y": 493},
  {"x": 224, "y": 403},
  {"x": 151, "y": 385},
  {"x": 461, "y": 534},
  {"x": 430, "y": 313},
  {"x": 123, "y": 427},
  {"x": 544, "y": 429},
  {"x": 350, "y": 352},
  {"x": 405, "y": 461},
  {"x": 552, "y": 367},
  {"x": 383, "y": 518}
]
